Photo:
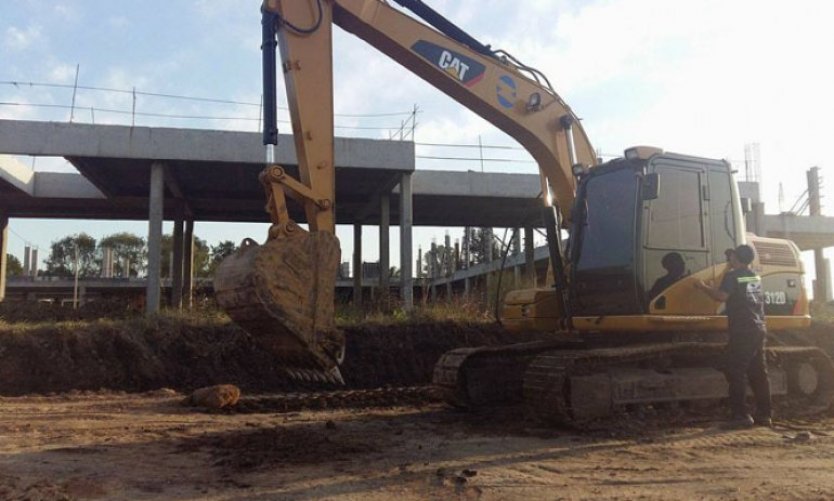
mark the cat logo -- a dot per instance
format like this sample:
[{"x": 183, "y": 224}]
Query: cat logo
[
  {"x": 463, "y": 69},
  {"x": 453, "y": 65}
]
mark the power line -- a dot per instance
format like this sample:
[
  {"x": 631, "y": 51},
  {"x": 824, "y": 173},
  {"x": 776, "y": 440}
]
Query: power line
[
  {"x": 473, "y": 159},
  {"x": 187, "y": 98},
  {"x": 22, "y": 239},
  {"x": 486, "y": 147},
  {"x": 170, "y": 115}
]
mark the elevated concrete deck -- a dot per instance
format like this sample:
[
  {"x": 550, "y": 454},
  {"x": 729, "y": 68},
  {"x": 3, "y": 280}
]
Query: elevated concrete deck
[{"x": 216, "y": 173}]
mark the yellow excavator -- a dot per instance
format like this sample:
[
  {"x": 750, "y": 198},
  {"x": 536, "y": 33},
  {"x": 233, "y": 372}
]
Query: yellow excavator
[{"x": 626, "y": 324}]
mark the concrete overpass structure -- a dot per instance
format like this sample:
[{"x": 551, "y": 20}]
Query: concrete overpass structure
[
  {"x": 184, "y": 175},
  {"x": 142, "y": 173}
]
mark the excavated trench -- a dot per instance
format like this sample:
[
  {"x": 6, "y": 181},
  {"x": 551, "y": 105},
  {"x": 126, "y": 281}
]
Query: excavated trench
[{"x": 136, "y": 354}]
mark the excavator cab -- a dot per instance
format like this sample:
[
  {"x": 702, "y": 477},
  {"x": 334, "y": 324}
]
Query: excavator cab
[
  {"x": 646, "y": 222},
  {"x": 645, "y": 227}
]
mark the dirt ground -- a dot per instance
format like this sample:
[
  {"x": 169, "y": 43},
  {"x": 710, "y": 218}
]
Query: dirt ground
[
  {"x": 108, "y": 445},
  {"x": 81, "y": 417}
]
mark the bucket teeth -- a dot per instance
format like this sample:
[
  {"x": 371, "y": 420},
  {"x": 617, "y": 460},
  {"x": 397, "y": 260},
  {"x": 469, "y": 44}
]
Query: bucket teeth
[
  {"x": 336, "y": 376},
  {"x": 329, "y": 376}
]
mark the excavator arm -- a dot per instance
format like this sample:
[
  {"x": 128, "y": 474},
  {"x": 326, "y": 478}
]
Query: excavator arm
[
  {"x": 520, "y": 103},
  {"x": 282, "y": 292}
]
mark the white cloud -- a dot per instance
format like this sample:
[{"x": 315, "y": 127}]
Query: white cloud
[
  {"x": 62, "y": 73},
  {"x": 18, "y": 39}
]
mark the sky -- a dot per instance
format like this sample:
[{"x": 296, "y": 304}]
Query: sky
[{"x": 703, "y": 78}]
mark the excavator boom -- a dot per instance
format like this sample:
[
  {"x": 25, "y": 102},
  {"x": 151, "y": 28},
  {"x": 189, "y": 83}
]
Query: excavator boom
[{"x": 282, "y": 292}]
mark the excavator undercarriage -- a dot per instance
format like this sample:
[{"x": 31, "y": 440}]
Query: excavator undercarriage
[{"x": 567, "y": 384}]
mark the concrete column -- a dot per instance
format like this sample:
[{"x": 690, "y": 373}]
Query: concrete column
[
  {"x": 155, "y": 212},
  {"x": 188, "y": 268},
  {"x": 34, "y": 264},
  {"x": 384, "y": 244},
  {"x": 529, "y": 257},
  {"x": 27, "y": 261},
  {"x": 357, "y": 264},
  {"x": 177, "y": 262},
  {"x": 4, "y": 258},
  {"x": 821, "y": 290},
  {"x": 406, "y": 255}
]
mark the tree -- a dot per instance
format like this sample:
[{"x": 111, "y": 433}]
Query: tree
[
  {"x": 130, "y": 256},
  {"x": 219, "y": 252},
  {"x": 13, "y": 266},
  {"x": 201, "y": 256},
  {"x": 62, "y": 257}
]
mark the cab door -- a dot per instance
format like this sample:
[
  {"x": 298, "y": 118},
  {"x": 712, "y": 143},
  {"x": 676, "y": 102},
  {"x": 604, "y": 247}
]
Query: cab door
[
  {"x": 676, "y": 236},
  {"x": 722, "y": 218}
]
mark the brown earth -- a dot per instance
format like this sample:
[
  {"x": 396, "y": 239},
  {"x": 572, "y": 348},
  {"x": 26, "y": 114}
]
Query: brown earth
[
  {"x": 125, "y": 442},
  {"x": 103, "y": 445},
  {"x": 186, "y": 353}
]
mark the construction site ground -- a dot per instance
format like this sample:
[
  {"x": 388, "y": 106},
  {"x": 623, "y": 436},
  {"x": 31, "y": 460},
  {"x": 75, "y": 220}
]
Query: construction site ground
[
  {"x": 147, "y": 446},
  {"x": 93, "y": 410}
]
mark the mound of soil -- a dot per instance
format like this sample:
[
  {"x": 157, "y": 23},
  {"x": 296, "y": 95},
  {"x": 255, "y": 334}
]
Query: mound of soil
[{"x": 186, "y": 353}]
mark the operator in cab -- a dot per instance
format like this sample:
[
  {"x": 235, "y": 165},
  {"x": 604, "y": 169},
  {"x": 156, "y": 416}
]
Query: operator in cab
[{"x": 741, "y": 290}]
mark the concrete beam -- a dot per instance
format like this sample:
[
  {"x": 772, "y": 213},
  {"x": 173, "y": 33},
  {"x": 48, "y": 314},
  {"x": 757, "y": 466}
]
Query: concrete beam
[
  {"x": 23, "y": 137},
  {"x": 476, "y": 184},
  {"x": 17, "y": 175},
  {"x": 478, "y": 270},
  {"x": 406, "y": 251},
  {"x": 155, "y": 212},
  {"x": 64, "y": 185}
]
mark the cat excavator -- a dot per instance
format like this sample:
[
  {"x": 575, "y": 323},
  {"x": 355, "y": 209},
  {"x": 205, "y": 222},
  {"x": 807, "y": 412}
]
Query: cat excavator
[{"x": 625, "y": 324}]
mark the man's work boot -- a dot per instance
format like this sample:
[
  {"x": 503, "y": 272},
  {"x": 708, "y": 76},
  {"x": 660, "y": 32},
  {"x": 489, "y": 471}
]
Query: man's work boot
[{"x": 739, "y": 422}]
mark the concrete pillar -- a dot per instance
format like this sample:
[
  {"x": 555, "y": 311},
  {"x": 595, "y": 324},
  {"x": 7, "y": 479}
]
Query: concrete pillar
[
  {"x": 155, "y": 211},
  {"x": 27, "y": 261},
  {"x": 406, "y": 254},
  {"x": 34, "y": 264},
  {"x": 357, "y": 264},
  {"x": 822, "y": 292},
  {"x": 177, "y": 262},
  {"x": 4, "y": 258},
  {"x": 188, "y": 265},
  {"x": 529, "y": 257},
  {"x": 384, "y": 244}
]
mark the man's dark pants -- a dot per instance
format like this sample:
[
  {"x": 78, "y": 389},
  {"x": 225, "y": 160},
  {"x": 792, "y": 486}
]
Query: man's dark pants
[{"x": 746, "y": 361}]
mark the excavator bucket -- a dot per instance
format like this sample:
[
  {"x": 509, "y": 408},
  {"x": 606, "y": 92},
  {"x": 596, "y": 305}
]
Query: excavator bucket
[{"x": 282, "y": 294}]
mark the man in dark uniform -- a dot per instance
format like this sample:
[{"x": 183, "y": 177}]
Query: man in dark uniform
[{"x": 741, "y": 289}]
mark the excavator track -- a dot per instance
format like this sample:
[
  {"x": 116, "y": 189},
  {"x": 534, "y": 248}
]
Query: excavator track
[
  {"x": 487, "y": 375},
  {"x": 340, "y": 399},
  {"x": 567, "y": 388}
]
